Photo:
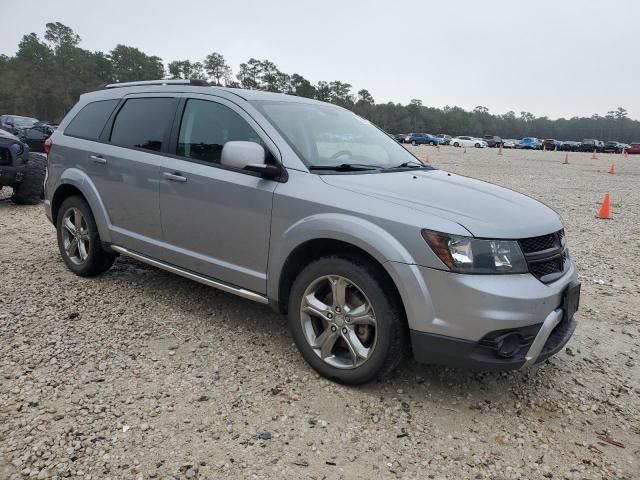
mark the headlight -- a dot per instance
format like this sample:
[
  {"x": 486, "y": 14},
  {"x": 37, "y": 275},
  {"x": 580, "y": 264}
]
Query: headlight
[{"x": 473, "y": 255}]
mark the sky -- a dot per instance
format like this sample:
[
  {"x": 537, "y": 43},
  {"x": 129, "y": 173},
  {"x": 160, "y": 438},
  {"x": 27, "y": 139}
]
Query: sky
[{"x": 559, "y": 58}]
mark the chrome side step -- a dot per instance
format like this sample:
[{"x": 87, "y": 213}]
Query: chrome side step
[{"x": 241, "y": 292}]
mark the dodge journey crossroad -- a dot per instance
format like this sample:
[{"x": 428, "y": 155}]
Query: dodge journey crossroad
[{"x": 313, "y": 210}]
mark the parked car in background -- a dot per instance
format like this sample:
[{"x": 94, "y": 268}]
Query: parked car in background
[
  {"x": 14, "y": 123},
  {"x": 422, "y": 139},
  {"x": 570, "y": 146},
  {"x": 493, "y": 140},
  {"x": 399, "y": 137},
  {"x": 510, "y": 143},
  {"x": 613, "y": 147},
  {"x": 464, "y": 141},
  {"x": 590, "y": 144},
  {"x": 530, "y": 143},
  {"x": 446, "y": 139},
  {"x": 370, "y": 253},
  {"x": 551, "y": 144},
  {"x": 633, "y": 147},
  {"x": 36, "y": 136}
]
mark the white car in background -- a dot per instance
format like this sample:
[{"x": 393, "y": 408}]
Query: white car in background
[
  {"x": 468, "y": 142},
  {"x": 510, "y": 143}
]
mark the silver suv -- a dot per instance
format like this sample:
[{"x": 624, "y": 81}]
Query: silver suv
[{"x": 311, "y": 209}]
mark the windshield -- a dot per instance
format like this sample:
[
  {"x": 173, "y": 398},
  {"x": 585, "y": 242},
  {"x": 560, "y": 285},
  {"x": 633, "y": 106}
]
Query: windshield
[
  {"x": 23, "y": 121},
  {"x": 328, "y": 136}
]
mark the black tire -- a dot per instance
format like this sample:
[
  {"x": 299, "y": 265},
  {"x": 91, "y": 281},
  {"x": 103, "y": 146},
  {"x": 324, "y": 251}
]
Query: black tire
[
  {"x": 456, "y": 144},
  {"x": 477, "y": 145},
  {"x": 98, "y": 259},
  {"x": 391, "y": 328},
  {"x": 29, "y": 190},
  {"x": 413, "y": 142}
]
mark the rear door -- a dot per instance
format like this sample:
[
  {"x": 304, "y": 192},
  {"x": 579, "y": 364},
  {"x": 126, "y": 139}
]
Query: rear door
[
  {"x": 216, "y": 220},
  {"x": 126, "y": 169}
]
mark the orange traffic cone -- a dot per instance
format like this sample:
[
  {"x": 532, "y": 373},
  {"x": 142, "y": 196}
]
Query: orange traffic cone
[
  {"x": 566, "y": 159},
  {"x": 500, "y": 150},
  {"x": 605, "y": 209},
  {"x": 612, "y": 169},
  {"x": 593, "y": 156}
]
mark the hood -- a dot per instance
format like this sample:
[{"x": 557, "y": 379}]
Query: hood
[
  {"x": 484, "y": 209},
  {"x": 10, "y": 136}
]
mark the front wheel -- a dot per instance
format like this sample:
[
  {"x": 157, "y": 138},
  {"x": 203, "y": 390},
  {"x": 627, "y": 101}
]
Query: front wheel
[
  {"x": 477, "y": 145},
  {"x": 343, "y": 321},
  {"x": 79, "y": 240}
]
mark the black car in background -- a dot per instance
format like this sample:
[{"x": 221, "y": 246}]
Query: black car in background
[
  {"x": 399, "y": 137},
  {"x": 493, "y": 140},
  {"x": 36, "y": 135},
  {"x": 15, "y": 123},
  {"x": 613, "y": 147},
  {"x": 590, "y": 144},
  {"x": 570, "y": 146}
]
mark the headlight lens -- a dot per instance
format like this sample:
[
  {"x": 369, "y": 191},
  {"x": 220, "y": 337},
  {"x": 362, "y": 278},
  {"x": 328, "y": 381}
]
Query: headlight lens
[{"x": 473, "y": 255}]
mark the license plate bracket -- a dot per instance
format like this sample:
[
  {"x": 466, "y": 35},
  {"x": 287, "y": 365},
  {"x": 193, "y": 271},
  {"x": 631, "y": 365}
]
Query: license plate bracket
[{"x": 571, "y": 300}]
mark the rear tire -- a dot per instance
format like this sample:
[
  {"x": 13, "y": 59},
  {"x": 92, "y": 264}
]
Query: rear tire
[
  {"x": 382, "y": 336},
  {"x": 79, "y": 241},
  {"x": 29, "y": 190},
  {"x": 456, "y": 144}
]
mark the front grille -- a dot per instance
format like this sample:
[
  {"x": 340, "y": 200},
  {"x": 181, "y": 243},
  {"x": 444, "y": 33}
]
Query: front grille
[{"x": 546, "y": 256}]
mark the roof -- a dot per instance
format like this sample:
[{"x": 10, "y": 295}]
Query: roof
[{"x": 115, "y": 90}]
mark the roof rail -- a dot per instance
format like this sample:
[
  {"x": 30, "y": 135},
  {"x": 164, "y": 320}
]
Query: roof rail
[{"x": 193, "y": 81}]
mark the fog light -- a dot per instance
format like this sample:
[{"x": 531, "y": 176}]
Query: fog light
[{"x": 509, "y": 345}]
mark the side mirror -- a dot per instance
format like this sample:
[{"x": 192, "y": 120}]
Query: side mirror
[{"x": 248, "y": 156}]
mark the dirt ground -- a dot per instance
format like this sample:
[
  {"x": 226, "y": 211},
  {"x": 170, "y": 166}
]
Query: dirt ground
[{"x": 143, "y": 374}]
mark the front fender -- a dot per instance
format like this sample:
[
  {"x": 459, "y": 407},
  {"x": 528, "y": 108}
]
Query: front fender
[
  {"x": 81, "y": 181},
  {"x": 359, "y": 232}
]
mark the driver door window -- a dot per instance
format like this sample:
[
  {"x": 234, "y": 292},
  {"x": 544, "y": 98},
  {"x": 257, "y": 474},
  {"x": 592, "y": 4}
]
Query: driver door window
[{"x": 206, "y": 126}]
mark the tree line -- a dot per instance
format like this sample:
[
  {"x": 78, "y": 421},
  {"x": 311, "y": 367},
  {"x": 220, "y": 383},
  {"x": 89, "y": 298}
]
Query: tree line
[{"x": 47, "y": 75}]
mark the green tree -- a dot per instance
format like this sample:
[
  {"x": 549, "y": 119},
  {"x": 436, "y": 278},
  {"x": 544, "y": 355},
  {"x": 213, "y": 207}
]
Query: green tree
[
  {"x": 129, "y": 64},
  {"x": 216, "y": 67}
]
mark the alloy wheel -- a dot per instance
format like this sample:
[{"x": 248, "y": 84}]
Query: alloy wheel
[
  {"x": 75, "y": 236},
  {"x": 338, "y": 322}
]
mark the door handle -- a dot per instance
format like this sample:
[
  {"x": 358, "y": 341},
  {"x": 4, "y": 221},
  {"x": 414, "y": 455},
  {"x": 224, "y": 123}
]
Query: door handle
[
  {"x": 174, "y": 177},
  {"x": 98, "y": 159}
]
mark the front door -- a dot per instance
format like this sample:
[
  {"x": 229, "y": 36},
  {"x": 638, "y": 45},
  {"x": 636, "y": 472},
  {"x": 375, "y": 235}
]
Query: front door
[{"x": 215, "y": 220}]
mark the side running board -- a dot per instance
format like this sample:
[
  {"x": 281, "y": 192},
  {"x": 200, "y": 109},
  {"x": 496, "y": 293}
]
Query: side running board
[{"x": 241, "y": 292}]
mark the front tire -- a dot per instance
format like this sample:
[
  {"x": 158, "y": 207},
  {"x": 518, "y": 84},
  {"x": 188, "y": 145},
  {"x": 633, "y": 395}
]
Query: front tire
[
  {"x": 79, "y": 241},
  {"x": 477, "y": 145},
  {"x": 343, "y": 321},
  {"x": 29, "y": 190}
]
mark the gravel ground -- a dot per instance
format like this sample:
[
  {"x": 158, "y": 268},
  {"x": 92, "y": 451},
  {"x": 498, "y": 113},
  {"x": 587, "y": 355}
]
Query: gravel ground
[{"x": 142, "y": 374}]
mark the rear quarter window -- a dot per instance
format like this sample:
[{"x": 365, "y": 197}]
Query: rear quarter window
[
  {"x": 89, "y": 122},
  {"x": 143, "y": 123}
]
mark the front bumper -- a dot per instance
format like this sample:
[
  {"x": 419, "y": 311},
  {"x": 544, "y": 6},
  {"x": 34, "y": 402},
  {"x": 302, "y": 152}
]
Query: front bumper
[
  {"x": 458, "y": 319},
  {"x": 10, "y": 175}
]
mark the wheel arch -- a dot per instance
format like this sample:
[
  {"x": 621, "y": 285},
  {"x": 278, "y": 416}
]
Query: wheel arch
[{"x": 76, "y": 182}]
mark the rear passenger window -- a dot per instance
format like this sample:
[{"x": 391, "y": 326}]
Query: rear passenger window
[
  {"x": 207, "y": 126},
  {"x": 90, "y": 121},
  {"x": 143, "y": 123}
]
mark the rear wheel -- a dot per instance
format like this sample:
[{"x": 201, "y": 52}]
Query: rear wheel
[
  {"x": 456, "y": 144},
  {"x": 79, "y": 240},
  {"x": 344, "y": 323}
]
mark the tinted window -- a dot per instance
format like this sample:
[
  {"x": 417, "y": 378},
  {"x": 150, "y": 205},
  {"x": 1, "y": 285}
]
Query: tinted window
[
  {"x": 143, "y": 123},
  {"x": 90, "y": 121},
  {"x": 207, "y": 126}
]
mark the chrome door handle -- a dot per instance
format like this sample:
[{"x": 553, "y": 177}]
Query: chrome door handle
[
  {"x": 174, "y": 177},
  {"x": 98, "y": 159}
]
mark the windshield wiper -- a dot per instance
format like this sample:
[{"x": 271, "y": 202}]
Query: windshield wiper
[
  {"x": 345, "y": 167},
  {"x": 411, "y": 164}
]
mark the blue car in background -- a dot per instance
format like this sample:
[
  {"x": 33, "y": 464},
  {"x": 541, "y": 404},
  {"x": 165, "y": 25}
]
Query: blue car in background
[
  {"x": 530, "y": 143},
  {"x": 423, "y": 139}
]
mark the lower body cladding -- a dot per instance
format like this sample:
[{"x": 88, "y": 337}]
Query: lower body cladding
[{"x": 486, "y": 322}]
